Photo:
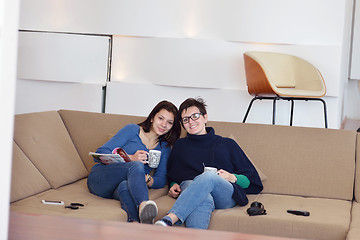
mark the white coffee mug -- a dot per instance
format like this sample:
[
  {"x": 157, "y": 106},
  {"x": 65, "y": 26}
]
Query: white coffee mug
[
  {"x": 153, "y": 158},
  {"x": 210, "y": 169}
]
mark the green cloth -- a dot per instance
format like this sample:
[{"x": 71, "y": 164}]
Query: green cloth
[{"x": 242, "y": 180}]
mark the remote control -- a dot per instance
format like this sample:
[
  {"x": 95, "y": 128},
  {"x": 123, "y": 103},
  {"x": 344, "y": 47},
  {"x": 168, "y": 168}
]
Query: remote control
[{"x": 299, "y": 212}]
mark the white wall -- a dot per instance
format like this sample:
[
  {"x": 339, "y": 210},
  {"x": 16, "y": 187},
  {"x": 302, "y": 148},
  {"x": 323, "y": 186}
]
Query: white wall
[
  {"x": 61, "y": 71},
  {"x": 211, "y": 56},
  {"x": 274, "y": 21},
  {"x": 39, "y": 96},
  {"x": 199, "y": 44},
  {"x": 63, "y": 57},
  {"x": 355, "y": 56},
  {"x": 9, "y": 12},
  {"x": 223, "y": 104},
  {"x": 352, "y": 99},
  {"x": 204, "y": 63}
]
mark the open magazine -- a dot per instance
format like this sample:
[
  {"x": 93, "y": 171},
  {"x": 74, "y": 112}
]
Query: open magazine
[{"x": 109, "y": 158}]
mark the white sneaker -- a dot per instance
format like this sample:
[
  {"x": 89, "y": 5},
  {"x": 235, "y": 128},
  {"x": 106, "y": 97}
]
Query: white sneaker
[
  {"x": 165, "y": 222},
  {"x": 148, "y": 212},
  {"x": 161, "y": 223}
]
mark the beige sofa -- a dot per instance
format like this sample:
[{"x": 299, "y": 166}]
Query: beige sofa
[{"x": 305, "y": 168}]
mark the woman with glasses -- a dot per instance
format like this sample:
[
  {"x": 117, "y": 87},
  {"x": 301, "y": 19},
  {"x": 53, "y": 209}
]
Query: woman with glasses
[
  {"x": 200, "y": 192},
  {"x": 129, "y": 182}
]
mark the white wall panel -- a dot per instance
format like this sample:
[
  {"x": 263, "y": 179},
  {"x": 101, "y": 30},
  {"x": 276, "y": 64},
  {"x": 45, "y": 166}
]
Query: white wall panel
[
  {"x": 355, "y": 56},
  {"x": 223, "y": 105},
  {"x": 38, "y": 96},
  {"x": 353, "y": 100},
  {"x": 205, "y": 63},
  {"x": 63, "y": 57},
  {"x": 188, "y": 43},
  {"x": 178, "y": 62},
  {"x": 276, "y": 21}
]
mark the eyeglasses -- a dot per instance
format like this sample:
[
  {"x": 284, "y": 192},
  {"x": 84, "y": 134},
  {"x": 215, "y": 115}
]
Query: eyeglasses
[{"x": 194, "y": 116}]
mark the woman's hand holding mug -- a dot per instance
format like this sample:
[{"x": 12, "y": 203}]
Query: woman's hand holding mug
[
  {"x": 140, "y": 155},
  {"x": 152, "y": 157}
]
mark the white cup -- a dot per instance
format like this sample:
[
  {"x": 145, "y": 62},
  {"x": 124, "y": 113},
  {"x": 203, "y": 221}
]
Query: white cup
[
  {"x": 210, "y": 169},
  {"x": 153, "y": 158}
]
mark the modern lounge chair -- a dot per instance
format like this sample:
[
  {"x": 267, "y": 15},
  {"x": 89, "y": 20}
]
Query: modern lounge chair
[{"x": 278, "y": 76}]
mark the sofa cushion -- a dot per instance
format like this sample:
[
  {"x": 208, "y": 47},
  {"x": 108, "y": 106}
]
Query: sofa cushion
[
  {"x": 262, "y": 176},
  {"x": 354, "y": 231},
  {"x": 329, "y": 218},
  {"x": 357, "y": 177},
  {"x": 26, "y": 180},
  {"x": 45, "y": 141},
  {"x": 89, "y": 131},
  {"x": 95, "y": 207},
  {"x": 310, "y": 162}
]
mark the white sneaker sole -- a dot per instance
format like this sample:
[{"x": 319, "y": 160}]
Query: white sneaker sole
[{"x": 148, "y": 212}]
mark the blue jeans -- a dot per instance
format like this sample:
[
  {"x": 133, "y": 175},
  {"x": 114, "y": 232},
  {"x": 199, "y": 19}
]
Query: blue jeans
[
  {"x": 122, "y": 181},
  {"x": 200, "y": 197}
]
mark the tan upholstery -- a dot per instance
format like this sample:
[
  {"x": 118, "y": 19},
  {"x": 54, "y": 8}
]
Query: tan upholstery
[
  {"x": 283, "y": 74},
  {"x": 45, "y": 140},
  {"x": 89, "y": 131},
  {"x": 262, "y": 175},
  {"x": 354, "y": 231},
  {"x": 76, "y": 192},
  {"x": 322, "y": 223},
  {"x": 306, "y": 168},
  {"x": 329, "y": 218},
  {"x": 357, "y": 177},
  {"x": 95, "y": 207},
  {"x": 26, "y": 180},
  {"x": 298, "y": 161}
]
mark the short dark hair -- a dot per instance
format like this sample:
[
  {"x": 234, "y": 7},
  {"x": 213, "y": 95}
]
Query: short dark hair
[
  {"x": 174, "y": 133},
  {"x": 193, "y": 102}
]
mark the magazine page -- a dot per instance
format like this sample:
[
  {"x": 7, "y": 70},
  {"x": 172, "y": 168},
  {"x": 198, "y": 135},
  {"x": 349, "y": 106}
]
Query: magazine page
[
  {"x": 122, "y": 154},
  {"x": 107, "y": 158},
  {"x": 118, "y": 155}
]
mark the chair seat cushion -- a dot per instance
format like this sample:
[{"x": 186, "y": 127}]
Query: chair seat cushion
[{"x": 295, "y": 92}]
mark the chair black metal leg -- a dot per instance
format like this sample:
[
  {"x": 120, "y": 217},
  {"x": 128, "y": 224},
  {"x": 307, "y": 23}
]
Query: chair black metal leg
[
  {"x": 291, "y": 111},
  {"x": 325, "y": 113},
  {"x": 292, "y": 107},
  {"x": 274, "y": 110},
  {"x": 248, "y": 109}
]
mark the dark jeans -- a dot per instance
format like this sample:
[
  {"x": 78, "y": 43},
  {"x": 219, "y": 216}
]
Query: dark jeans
[{"x": 121, "y": 181}]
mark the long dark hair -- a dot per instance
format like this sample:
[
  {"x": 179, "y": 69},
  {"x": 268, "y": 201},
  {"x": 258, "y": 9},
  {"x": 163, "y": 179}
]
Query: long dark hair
[{"x": 174, "y": 133}]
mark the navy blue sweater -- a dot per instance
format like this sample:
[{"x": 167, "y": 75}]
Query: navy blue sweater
[{"x": 190, "y": 154}]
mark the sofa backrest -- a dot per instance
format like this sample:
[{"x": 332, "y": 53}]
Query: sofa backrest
[
  {"x": 89, "y": 130},
  {"x": 43, "y": 138},
  {"x": 357, "y": 176},
  {"x": 300, "y": 161},
  {"x": 26, "y": 179}
]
